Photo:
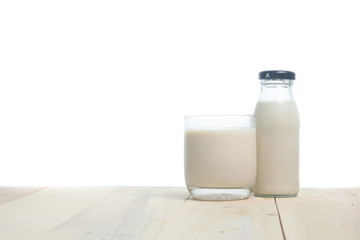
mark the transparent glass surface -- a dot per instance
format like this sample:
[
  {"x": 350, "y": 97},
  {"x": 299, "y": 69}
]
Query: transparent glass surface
[
  {"x": 277, "y": 128},
  {"x": 220, "y": 156}
]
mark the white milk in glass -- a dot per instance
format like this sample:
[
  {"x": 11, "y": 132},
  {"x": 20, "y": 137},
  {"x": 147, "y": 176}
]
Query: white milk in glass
[{"x": 220, "y": 158}]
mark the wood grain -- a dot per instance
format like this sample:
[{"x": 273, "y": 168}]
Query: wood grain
[
  {"x": 356, "y": 191},
  {"x": 8, "y": 194},
  {"x": 321, "y": 214},
  {"x": 253, "y": 218},
  {"x": 166, "y": 213},
  {"x": 32, "y": 216},
  {"x": 128, "y": 213}
]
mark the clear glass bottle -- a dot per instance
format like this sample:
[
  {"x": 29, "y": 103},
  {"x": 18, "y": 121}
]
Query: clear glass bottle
[{"x": 277, "y": 133}]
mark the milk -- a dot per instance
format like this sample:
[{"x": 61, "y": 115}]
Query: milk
[
  {"x": 277, "y": 127},
  {"x": 220, "y": 158}
]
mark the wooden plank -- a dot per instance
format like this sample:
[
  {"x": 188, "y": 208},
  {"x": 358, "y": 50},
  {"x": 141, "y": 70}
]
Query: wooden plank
[
  {"x": 33, "y": 215},
  {"x": 321, "y": 214},
  {"x": 128, "y": 213},
  {"x": 162, "y": 213},
  {"x": 8, "y": 194},
  {"x": 253, "y": 218},
  {"x": 356, "y": 191}
]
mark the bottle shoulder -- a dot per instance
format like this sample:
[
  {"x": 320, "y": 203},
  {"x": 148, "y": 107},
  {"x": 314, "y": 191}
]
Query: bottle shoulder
[{"x": 276, "y": 105}]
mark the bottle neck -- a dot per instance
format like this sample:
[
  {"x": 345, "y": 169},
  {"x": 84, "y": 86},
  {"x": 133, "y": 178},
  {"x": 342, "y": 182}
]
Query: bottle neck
[{"x": 276, "y": 90}]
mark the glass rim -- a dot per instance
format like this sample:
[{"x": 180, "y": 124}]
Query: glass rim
[
  {"x": 221, "y": 116},
  {"x": 219, "y": 122}
]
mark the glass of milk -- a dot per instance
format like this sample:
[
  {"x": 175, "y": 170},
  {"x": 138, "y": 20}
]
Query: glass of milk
[{"x": 220, "y": 156}]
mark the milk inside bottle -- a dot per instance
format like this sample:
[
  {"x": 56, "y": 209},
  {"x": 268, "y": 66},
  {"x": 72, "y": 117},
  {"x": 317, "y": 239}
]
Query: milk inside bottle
[{"x": 277, "y": 134}]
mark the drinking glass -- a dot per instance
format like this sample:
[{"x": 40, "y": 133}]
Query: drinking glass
[{"x": 220, "y": 156}]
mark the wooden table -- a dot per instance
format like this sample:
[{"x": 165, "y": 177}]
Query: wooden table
[{"x": 167, "y": 213}]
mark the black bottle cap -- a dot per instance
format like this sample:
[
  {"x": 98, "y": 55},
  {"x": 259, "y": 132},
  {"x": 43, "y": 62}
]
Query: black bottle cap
[{"x": 277, "y": 74}]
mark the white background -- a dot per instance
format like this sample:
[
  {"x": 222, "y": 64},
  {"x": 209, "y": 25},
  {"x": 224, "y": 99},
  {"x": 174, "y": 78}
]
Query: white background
[{"x": 94, "y": 92}]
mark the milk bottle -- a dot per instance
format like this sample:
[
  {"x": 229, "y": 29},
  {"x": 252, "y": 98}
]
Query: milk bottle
[{"x": 277, "y": 134}]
